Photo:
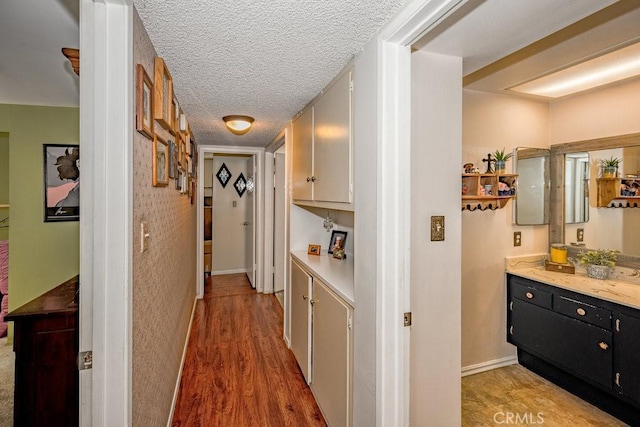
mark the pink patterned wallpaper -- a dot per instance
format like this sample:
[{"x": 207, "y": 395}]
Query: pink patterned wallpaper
[{"x": 164, "y": 276}]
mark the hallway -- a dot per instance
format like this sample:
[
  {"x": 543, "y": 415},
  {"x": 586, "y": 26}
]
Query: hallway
[{"x": 238, "y": 370}]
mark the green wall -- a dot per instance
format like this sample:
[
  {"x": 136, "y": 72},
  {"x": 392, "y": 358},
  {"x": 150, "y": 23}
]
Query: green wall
[
  {"x": 41, "y": 255},
  {"x": 4, "y": 182}
]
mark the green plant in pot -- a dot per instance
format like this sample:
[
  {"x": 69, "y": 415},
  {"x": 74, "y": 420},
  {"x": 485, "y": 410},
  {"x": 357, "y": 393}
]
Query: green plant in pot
[
  {"x": 599, "y": 262},
  {"x": 501, "y": 157},
  {"x": 609, "y": 167}
]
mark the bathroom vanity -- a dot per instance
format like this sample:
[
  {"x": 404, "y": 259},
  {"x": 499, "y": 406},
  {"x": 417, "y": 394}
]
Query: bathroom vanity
[{"x": 582, "y": 334}]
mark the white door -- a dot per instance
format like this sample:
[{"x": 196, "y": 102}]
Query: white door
[
  {"x": 249, "y": 224},
  {"x": 278, "y": 223}
]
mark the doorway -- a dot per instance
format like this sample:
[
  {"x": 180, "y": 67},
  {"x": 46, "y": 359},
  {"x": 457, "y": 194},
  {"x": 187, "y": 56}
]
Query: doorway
[
  {"x": 279, "y": 223},
  {"x": 231, "y": 190}
]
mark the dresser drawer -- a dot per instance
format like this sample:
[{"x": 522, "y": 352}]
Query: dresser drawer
[
  {"x": 521, "y": 289},
  {"x": 583, "y": 311}
]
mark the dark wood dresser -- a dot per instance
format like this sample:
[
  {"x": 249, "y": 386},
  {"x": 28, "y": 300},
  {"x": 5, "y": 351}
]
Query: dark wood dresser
[{"x": 46, "y": 347}]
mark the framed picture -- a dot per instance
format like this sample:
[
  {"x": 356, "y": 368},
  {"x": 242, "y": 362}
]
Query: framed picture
[
  {"x": 162, "y": 94},
  {"x": 173, "y": 165},
  {"x": 175, "y": 117},
  {"x": 160, "y": 162},
  {"x": 61, "y": 182},
  {"x": 144, "y": 103},
  {"x": 313, "y": 250},
  {"x": 338, "y": 240},
  {"x": 180, "y": 144}
]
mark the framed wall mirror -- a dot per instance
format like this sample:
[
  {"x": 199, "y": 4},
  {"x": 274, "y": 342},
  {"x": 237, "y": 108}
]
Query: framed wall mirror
[
  {"x": 603, "y": 227},
  {"x": 532, "y": 203}
]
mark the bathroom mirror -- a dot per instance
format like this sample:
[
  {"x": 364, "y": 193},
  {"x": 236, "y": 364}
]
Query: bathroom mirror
[
  {"x": 532, "y": 203},
  {"x": 576, "y": 188}
]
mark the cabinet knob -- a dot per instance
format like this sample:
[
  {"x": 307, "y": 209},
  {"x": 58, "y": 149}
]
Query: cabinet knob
[
  {"x": 305, "y": 297},
  {"x": 603, "y": 345},
  {"x": 581, "y": 311},
  {"x": 313, "y": 301},
  {"x": 308, "y": 179},
  {"x": 314, "y": 179},
  {"x": 529, "y": 295}
]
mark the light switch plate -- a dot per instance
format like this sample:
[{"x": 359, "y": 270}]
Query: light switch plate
[
  {"x": 437, "y": 228},
  {"x": 144, "y": 236},
  {"x": 580, "y": 235},
  {"x": 517, "y": 238}
]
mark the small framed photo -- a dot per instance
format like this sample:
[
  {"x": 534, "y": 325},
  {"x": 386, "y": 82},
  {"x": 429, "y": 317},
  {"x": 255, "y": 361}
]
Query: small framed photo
[
  {"x": 314, "y": 250},
  {"x": 162, "y": 95},
  {"x": 160, "y": 162},
  {"x": 339, "y": 254},
  {"x": 338, "y": 241},
  {"x": 144, "y": 103},
  {"x": 61, "y": 182}
]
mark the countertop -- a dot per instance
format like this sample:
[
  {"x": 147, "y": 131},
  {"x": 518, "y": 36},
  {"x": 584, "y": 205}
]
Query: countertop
[
  {"x": 337, "y": 274},
  {"x": 615, "y": 291}
]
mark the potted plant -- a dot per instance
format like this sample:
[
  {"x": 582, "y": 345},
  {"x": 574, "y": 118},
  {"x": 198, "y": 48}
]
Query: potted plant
[
  {"x": 599, "y": 262},
  {"x": 501, "y": 157},
  {"x": 609, "y": 167}
]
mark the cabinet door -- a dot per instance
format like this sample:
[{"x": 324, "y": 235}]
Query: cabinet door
[
  {"x": 577, "y": 346},
  {"x": 331, "y": 355},
  {"x": 300, "y": 319},
  {"x": 303, "y": 156},
  {"x": 332, "y": 143},
  {"x": 627, "y": 356}
]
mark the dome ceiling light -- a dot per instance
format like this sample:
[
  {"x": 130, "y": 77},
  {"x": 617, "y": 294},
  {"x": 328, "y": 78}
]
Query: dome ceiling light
[{"x": 237, "y": 124}]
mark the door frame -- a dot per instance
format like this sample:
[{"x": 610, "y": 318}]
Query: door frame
[{"x": 258, "y": 226}]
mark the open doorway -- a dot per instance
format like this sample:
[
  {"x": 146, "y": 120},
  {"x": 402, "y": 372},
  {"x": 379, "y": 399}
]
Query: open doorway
[{"x": 230, "y": 214}]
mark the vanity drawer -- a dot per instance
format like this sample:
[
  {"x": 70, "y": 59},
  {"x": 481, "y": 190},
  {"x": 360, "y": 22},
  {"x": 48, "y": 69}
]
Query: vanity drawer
[
  {"x": 583, "y": 311},
  {"x": 522, "y": 290}
]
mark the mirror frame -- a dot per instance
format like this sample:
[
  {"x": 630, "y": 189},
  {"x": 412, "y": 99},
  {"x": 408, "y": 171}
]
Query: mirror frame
[{"x": 556, "y": 206}]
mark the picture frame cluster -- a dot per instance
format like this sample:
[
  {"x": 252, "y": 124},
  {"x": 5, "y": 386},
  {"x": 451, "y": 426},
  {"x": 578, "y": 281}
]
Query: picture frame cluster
[{"x": 174, "y": 149}]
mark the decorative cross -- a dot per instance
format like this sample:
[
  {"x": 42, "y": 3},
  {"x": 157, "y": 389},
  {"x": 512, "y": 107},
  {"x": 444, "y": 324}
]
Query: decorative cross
[{"x": 489, "y": 162}]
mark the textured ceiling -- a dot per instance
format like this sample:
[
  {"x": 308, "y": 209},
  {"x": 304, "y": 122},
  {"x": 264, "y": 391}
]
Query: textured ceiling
[{"x": 266, "y": 59}]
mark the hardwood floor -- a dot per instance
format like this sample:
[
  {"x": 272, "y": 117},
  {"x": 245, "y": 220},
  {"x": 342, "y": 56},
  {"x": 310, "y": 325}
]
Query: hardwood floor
[
  {"x": 238, "y": 370},
  {"x": 497, "y": 396}
]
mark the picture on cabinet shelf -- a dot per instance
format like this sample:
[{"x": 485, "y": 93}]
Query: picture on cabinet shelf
[
  {"x": 338, "y": 241},
  {"x": 314, "y": 249}
]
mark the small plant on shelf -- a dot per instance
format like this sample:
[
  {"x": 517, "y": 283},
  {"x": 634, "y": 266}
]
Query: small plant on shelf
[
  {"x": 609, "y": 167},
  {"x": 599, "y": 262},
  {"x": 501, "y": 157}
]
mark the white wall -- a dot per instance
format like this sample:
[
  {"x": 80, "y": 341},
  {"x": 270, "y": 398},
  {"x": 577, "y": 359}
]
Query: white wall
[
  {"x": 492, "y": 122},
  {"x": 229, "y": 243},
  {"x": 436, "y": 141}
]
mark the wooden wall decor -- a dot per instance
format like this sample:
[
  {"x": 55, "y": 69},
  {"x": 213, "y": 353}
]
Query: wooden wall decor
[{"x": 73, "y": 55}]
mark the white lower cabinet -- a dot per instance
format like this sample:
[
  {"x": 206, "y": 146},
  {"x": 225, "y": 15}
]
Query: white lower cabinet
[{"x": 321, "y": 341}]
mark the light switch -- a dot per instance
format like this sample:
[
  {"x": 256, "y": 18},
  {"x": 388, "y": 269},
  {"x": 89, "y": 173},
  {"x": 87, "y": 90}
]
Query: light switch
[
  {"x": 580, "y": 235},
  {"x": 144, "y": 236},
  {"x": 437, "y": 228}
]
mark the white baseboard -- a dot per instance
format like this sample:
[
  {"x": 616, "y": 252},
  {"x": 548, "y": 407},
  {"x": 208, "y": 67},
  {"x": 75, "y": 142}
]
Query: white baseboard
[
  {"x": 489, "y": 365},
  {"x": 184, "y": 355},
  {"x": 236, "y": 271}
]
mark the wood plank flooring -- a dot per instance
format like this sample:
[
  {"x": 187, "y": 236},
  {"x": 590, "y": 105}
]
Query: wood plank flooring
[
  {"x": 488, "y": 398},
  {"x": 238, "y": 370}
]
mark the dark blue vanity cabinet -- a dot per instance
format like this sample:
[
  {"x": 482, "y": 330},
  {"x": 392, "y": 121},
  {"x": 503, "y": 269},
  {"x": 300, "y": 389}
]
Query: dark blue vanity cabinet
[{"x": 586, "y": 345}]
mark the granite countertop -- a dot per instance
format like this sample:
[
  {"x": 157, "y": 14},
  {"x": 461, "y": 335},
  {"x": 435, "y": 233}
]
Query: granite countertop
[
  {"x": 337, "y": 274},
  {"x": 613, "y": 290}
]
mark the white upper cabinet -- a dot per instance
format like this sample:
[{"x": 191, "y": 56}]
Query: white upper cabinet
[{"x": 323, "y": 150}]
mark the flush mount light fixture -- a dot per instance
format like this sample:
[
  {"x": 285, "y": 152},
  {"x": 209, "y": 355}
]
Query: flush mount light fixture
[
  {"x": 609, "y": 68},
  {"x": 238, "y": 125}
]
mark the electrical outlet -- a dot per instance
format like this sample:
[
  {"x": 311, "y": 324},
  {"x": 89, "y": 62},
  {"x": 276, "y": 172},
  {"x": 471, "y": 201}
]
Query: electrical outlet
[
  {"x": 437, "y": 228},
  {"x": 580, "y": 235},
  {"x": 517, "y": 238}
]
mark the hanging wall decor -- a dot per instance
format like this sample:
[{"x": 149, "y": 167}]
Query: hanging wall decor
[
  {"x": 61, "y": 182},
  {"x": 240, "y": 185},
  {"x": 223, "y": 175}
]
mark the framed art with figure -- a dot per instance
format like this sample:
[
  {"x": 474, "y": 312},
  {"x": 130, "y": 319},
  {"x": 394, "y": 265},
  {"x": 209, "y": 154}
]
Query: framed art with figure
[
  {"x": 338, "y": 240},
  {"x": 61, "y": 182},
  {"x": 160, "y": 162}
]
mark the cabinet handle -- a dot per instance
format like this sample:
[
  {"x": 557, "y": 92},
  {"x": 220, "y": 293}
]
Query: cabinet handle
[
  {"x": 511, "y": 330},
  {"x": 305, "y": 297},
  {"x": 529, "y": 295},
  {"x": 603, "y": 345},
  {"x": 511, "y": 306},
  {"x": 618, "y": 379},
  {"x": 581, "y": 311},
  {"x": 313, "y": 301}
]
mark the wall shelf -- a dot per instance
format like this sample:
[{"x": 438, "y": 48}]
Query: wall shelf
[
  {"x": 475, "y": 187},
  {"x": 615, "y": 193}
]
